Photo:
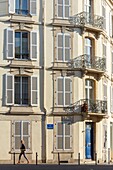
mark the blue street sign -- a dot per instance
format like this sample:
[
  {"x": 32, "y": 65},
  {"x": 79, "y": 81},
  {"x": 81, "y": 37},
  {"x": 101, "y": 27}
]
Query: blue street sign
[{"x": 50, "y": 126}]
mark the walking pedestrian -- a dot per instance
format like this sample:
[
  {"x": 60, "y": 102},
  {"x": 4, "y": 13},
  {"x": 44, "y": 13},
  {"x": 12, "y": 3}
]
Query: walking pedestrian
[{"x": 22, "y": 149}]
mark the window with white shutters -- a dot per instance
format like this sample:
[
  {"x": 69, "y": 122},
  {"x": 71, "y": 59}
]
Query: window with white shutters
[
  {"x": 63, "y": 47},
  {"x": 64, "y": 136},
  {"x": 21, "y": 45},
  {"x": 25, "y": 7},
  {"x": 104, "y": 51},
  {"x": 21, "y": 132},
  {"x": 64, "y": 91},
  {"x": 21, "y": 90},
  {"x": 63, "y": 8}
]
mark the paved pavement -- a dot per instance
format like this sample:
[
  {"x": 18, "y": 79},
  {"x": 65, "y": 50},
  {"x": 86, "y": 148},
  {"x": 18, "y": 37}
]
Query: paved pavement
[{"x": 54, "y": 167}]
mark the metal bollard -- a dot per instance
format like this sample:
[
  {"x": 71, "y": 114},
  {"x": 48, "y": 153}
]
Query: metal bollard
[
  {"x": 36, "y": 158},
  {"x": 58, "y": 158},
  {"x": 78, "y": 158},
  {"x": 95, "y": 158},
  {"x": 14, "y": 158}
]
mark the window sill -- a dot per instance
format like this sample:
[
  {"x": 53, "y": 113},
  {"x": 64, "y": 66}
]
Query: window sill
[
  {"x": 62, "y": 151},
  {"x": 18, "y": 152}
]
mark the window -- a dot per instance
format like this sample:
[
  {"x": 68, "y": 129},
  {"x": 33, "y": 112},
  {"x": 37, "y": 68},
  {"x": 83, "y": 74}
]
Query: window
[
  {"x": 88, "y": 10},
  {"x": 21, "y": 90},
  {"x": 25, "y": 7},
  {"x": 21, "y": 7},
  {"x": 104, "y": 14},
  {"x": 63, "y": 8},
  {"x": 89, "y": 89},
  {"x": 104, "y": 52},
  {"x": 105, "y": 91},
  {"x": 64, "y": 91},
  {"x": 88, "y": 51},
  {"x": 21, "y": 44},
  {"x": 112, "y": 61},
  {"x": 63, "y": 47},
  {"x": 64, "y": 135},
  {"x": 21, "y": 131},
  {"x": 105, "y": 136}
]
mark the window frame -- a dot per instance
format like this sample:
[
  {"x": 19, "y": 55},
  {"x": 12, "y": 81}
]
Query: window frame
[
  {"x": 21, "y": 133},
  {"x": 64, "y": 92},
  {"x": 63, "y": 47},
  {"x": 63, "y": 5},
  {"x": 63, "y": 135}
]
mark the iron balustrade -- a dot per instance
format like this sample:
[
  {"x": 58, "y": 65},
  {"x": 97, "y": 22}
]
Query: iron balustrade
[
  {"x": 86, "y": 61},
  {"x": 85, "y": 18},
  {"x": 88, "y": 106}
]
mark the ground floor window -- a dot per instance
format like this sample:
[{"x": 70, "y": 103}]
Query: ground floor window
[
  {"x": 64, "y": 136},
  {"x": 21, "y": 131}
]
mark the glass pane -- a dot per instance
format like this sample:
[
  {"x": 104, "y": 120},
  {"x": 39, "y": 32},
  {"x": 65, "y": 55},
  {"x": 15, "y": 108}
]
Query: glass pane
[
  {"x": 17, "y": 44},
  {"x": 24, "y": 90},
  {"x": 67, "y": 85},
  {"x": 18, "y": 128},
  {"x": 67, "y": 11},
  {"x": 10, "y": 96},
  {"x": 60, "y": 129},
  {"x": 35, "y": 97},
  {"x": 25, "y": 128},
  {"x": 60, "y": 142},
  {"x": 60, "y": 99},
  {"x": 60, "y": 11},
  {"x": 67, "y": 99},
  {"x": 67, "y": 54},
  {"x": 17, "y": 90},
  {"x": 67, "y": 2},
  {"x": 9, "y": 82},
  {"x": 67, "y": 142},
  {"x": 26, "y": 141},
  {"x": 60, "y": 85},
  {"x": 60, "y": 54},
  {"x": 34, "y": 83},
  {"x": 60, "y": 1},
  {"x": 67, "y": 128},
  {"x": 17, "y": 142},
  {"x": 24, "y": 45},
  {"x": 60, "y": 41}
]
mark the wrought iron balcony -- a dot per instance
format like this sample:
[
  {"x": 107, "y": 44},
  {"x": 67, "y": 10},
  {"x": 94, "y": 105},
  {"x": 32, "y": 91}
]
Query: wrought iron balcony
[
  {"x": 85, "y": 18},
  {"x": 99, "y": 107},
  {"x": 86, "y": 61}
]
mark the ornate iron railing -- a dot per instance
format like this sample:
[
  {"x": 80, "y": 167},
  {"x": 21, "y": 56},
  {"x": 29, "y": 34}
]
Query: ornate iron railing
[
  {"x": 88, "y": 106},
  {"x": 86, "y": 61},
  {"x": 85, "y": 18}
]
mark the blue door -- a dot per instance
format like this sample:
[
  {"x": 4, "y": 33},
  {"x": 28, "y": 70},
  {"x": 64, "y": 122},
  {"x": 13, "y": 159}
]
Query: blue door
[{"x": 88, "y": 149}]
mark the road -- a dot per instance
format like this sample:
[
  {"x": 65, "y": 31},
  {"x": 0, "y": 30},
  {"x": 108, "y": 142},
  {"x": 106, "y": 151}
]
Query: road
[{"x": 55, "y": 167}]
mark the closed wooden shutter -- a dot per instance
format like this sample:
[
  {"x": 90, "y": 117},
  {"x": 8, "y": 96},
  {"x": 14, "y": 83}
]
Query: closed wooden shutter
[
  {"x": 9, "y": 89},
  {"x": 11, "y": 6},
  {"x": 60, "y": 96},
  {"x": 9, "y": 43},
  {"x": 67, "y": 47},
  {"x": 33, "y": 5},
  {"x": 34, "y": 91},
  {"x": 17, "y": 134},
  {"x": 68, "y": 91},
  {"x": 33, "y": 44},
  {"x": 59, "y": 135}
]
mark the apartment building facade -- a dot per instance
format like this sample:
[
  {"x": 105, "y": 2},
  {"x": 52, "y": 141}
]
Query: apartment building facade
[
  {"x": 78, "y": 79},
  {"x": 56, "y": 70},
  {"x": 21, "y": 112}
]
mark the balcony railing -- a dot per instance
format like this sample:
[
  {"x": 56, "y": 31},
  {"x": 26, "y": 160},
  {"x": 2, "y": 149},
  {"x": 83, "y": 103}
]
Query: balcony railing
[
  {"x": 86, "y": 61},
  {"x": 85, "y": 18},
  {"x": 88, "y": 106}
]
